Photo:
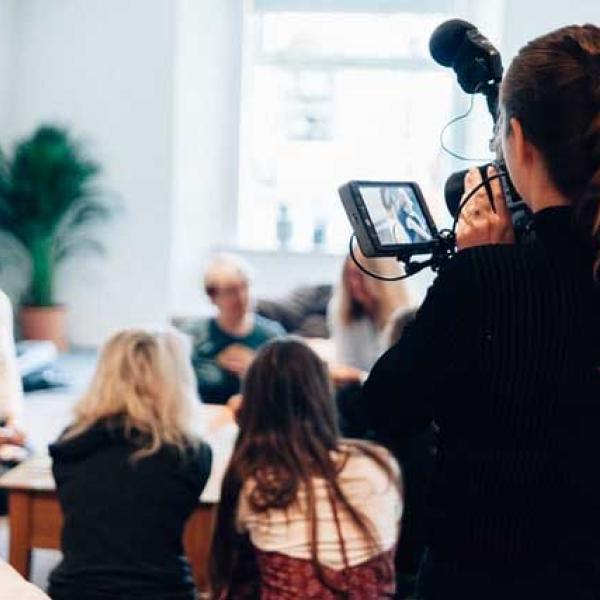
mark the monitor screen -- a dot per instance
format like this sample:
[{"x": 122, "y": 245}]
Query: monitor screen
[{"x": 396, "y": 214}]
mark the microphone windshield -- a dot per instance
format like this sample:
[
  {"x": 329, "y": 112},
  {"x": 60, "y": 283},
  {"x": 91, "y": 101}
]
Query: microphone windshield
[{"x": 446, "y": 40}]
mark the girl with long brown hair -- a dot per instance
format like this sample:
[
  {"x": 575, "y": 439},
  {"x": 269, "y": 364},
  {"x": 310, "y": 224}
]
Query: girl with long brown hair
[
  {"x": 318, "y": 515},
  {"x": 504, "y": 353}
]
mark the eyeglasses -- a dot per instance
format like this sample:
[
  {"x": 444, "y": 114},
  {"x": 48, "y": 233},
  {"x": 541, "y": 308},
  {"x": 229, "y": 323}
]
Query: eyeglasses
[{"x": 214, "y": 291}]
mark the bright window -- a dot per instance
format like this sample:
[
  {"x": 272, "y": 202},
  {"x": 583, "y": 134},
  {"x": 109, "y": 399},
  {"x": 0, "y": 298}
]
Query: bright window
[{"x": 334, "y": 96}]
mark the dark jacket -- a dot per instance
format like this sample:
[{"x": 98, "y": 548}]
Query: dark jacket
[
  {"x": 503, "y": 357},
  {"x": 124, "y": 519}
]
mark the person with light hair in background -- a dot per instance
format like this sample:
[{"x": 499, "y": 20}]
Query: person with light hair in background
[
  {"x": 129, "y": 472},
  {"x": 399, "y": 321},
  {"x": 358, "y": 316},
  {"x": 359, "y": 312},
  {"x": 224, "y": 346}
]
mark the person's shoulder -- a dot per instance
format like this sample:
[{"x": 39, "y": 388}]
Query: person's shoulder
[
  {"x": 496, "y": 255},
  {"x": 368, "y": 458},
  {"x": 459, "y": 274},
  {"x": 267, "y": 327},
  {"x": 199, "y": 330},
  {"x": 75, "y": 443},
  {"x": 477, "y": 266},
  {"x": 203, "y": 454},
  {"x": 199, "y": 459},
  {"x": 370, "y": 469}
]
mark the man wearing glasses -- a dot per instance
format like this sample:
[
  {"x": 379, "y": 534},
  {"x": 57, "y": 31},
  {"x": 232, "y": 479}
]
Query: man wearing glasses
[{"x": 224, "y": 345}]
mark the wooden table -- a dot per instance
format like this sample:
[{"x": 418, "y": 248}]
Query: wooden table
[{"x": 35, "y": 516}]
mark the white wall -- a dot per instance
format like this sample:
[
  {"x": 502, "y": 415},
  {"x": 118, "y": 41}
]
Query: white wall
[
  {"x": 7, "y": 17},
  {"x": 12, "y": 278},
  {"x": 207, "y": 112},
  {"x": 105, "y": 69},
  {"x": 526, "y": 20}
]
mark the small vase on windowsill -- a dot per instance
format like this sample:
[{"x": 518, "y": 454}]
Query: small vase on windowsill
[
  {"x": 284, "y": 226},
  {"x": 319, "y": 235}
]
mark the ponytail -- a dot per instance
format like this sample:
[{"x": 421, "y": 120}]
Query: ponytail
[{"x": 553, "y": 88}]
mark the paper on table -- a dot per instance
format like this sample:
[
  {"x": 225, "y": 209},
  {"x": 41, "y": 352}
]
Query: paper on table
[{"x": 219, "y": 430}]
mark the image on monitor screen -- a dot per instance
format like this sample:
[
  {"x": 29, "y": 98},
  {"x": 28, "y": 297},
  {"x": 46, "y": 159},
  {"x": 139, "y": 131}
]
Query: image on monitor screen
[{"x": 396, "y": 214}]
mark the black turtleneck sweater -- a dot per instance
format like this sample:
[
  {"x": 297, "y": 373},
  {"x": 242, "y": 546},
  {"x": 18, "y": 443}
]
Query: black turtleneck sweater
[{"x": 503, "y": 357}]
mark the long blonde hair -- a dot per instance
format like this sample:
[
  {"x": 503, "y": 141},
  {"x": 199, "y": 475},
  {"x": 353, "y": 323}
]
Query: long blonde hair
[
  {"x": 145, "y": 380},
  {"x": 390, "y": 295}
]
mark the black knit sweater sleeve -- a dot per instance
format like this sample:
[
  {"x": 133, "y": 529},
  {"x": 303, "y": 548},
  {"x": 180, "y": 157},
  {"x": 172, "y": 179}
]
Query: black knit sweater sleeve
[
  {"x": 409, "y": 379},
  {"x": 503, "y": 356}
]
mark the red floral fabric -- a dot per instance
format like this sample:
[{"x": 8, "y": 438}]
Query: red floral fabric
[{"x": 285, "y": 578}]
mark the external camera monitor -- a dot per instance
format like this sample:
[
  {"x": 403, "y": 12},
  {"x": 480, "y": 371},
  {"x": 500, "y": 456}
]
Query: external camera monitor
[{"x": 389, "y": 218}]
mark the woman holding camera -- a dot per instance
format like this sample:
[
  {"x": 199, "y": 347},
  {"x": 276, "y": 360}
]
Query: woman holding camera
[{"x": 504, "y": 353}]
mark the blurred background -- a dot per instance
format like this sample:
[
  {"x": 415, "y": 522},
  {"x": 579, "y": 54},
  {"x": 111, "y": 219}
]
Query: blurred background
[{"x": 229, "y": 124}]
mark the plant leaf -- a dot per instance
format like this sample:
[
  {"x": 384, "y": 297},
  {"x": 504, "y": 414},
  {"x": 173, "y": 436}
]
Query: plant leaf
[{"x": 48, "y": 200}]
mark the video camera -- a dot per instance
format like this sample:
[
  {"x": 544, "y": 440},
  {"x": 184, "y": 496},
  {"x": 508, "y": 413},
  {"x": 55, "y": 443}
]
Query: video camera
[{"x": 392, "y": 218}]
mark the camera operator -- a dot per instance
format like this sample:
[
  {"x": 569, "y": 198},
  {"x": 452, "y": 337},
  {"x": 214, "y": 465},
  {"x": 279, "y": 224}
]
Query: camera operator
[{"x": 504, "y": 353}]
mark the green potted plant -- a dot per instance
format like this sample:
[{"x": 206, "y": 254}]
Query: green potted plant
[{"x": 48, "y": 205}]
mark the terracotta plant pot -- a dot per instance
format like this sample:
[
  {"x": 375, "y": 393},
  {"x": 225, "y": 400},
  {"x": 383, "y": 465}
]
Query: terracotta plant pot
[{"x": 45, "y": 323}]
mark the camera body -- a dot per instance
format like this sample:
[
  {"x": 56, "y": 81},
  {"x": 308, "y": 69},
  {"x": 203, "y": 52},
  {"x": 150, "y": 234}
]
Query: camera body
[{"x": 520, "y": 212}]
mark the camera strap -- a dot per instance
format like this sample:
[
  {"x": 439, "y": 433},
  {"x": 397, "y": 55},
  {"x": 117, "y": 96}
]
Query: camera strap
[{"x": 486, "y": 183}]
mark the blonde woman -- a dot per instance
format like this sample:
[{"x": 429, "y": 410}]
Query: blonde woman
[
  {"x": 129, "y": 472},
  {"x": 358, "y": 313}
]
